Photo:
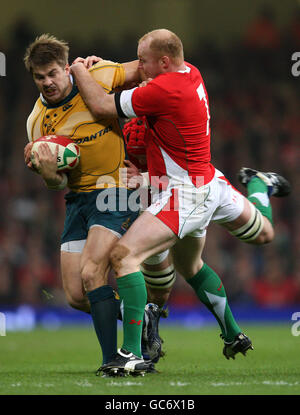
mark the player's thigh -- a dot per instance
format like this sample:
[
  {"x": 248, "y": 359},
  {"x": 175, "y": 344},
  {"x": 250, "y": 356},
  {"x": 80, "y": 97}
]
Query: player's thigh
[
  {"x": 187, "y": 255},
  {"x": 108, "y": 215},
  {"x": 71, "y": 276},
  {"x": 239, "y": 216},
  {"x": 146, "y": 236},
  {"x": 242, "y": 219}
]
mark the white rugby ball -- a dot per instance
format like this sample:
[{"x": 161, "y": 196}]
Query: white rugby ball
[{"x": 68, "y": 152}]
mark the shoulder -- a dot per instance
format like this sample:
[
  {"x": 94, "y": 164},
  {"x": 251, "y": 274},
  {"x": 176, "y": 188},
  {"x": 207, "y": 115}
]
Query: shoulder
[
  {"x": 108, "y": 73},
  {"x": 38, "y": 106},
  {"x": 158, "y": 85},
  {"x": 104, "y": 64},
  {"x": 194, "y": 72}
]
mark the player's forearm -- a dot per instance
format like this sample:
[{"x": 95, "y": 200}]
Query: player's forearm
[
  {"x": 97, "y": 100},
  {"x": 132, "y": 72}
]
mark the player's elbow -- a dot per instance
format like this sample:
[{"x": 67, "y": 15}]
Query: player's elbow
[{"x": 98, "y": 111}]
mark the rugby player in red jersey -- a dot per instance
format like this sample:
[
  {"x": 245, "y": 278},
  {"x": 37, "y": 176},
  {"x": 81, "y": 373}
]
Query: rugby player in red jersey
[{"x": 190, "y": 191}]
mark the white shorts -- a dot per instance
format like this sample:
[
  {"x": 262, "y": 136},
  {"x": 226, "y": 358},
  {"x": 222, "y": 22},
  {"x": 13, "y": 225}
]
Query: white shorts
[{"x": 188, "y": 210}]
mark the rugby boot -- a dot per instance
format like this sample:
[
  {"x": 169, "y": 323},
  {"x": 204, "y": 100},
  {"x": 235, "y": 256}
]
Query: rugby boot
[
  {"x": 151, "y": 341},
  {"x": 277, "y": 185},
  {"x": 125, "y": 363},
  {"x": 102, "y": 372},
  {"x": 240, "y": 344},
  {"x": 151, "y": 367}
]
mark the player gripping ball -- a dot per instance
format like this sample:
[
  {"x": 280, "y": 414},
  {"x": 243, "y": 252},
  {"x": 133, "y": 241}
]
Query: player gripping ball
[{"x": 60, "y": 150}]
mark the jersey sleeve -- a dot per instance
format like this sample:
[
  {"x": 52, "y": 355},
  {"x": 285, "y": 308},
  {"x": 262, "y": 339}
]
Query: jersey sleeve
[
  {"x": 32, "y": 124},
  {"x": 108, "y": 74},
  {"x": 29, "y": 128},
  {"x": 147, "y": 100}
]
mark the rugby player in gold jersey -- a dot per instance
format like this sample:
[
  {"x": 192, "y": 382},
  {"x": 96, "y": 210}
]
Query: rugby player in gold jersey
[{"x": 89, "y": 233}]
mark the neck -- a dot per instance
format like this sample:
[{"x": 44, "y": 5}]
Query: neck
[
  {"x": 178, "y": 67},
  {"x": 68, "y": 90},
  {"x": 182, "y": 67}
]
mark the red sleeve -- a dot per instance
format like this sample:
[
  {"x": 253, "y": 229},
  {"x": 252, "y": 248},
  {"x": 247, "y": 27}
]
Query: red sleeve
[{"x": 148, "y": 100}]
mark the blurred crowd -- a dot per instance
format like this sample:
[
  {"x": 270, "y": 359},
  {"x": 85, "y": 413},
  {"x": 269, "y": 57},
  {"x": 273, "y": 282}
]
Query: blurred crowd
[{"x": 255, "y": 122}]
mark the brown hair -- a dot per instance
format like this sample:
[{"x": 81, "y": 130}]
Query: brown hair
[
  {"x": 44, "y": 50},
  {"x": 164, "y": 42}
]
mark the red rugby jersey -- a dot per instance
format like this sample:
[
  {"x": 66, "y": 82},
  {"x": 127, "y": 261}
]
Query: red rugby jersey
[{"x": 177, "y": 111}]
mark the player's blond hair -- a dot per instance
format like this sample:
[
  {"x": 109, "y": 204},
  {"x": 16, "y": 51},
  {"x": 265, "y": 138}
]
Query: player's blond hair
[
  {"x": 46, "y": 49},
  {"x": 164, "y": 42}
]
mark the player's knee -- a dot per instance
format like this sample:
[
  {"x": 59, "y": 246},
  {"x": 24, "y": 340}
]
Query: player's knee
[
  {"x": 119, "y": 256},
  {"x": 92, "y": 276},
  {"x": 266, "y": 236},
  {"x": 257, "y": 230},
  {"x": 87, "y": 275}
]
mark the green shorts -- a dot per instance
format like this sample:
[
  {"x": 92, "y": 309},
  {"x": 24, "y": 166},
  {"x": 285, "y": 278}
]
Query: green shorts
[{"x": 110, "y": 208}]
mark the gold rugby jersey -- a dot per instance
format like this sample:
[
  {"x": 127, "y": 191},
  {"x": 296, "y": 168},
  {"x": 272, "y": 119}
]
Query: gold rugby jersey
[{"x": 101, "y": 142}]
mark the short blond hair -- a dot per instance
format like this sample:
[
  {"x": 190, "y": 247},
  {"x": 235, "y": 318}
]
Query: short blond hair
[
  {"x": 164, "y": 42},
  {"x": 46, "y": 49}
]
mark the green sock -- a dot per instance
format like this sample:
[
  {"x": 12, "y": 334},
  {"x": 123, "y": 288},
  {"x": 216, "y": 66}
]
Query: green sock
[
  {"x": 133, "y": 293},
  {"x": 258, "y": 195},
  {"x": 210, "y": 291}
]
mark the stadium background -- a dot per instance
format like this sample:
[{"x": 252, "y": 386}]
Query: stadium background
[{"x": 243, "y": 50}]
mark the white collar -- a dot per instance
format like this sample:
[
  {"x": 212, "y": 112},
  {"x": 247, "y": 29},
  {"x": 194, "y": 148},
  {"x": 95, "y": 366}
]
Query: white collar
[{"x": 186, "y": 70}]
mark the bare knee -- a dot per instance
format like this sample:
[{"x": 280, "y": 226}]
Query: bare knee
[
  {"x": 93, "y": 275},
  {"x": 266, "y": 235},
  {"x": 122, "y": 261},
  {"x": 251, "y": 227}
]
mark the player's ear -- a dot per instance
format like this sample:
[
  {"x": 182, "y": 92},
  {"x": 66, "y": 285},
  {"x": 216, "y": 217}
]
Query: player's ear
[
  {"x": 67, "y": 69},
  {"x": 164, "y": 62}
]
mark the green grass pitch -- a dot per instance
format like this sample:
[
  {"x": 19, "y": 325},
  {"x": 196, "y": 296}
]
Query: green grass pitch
[{"x": 63, "y": 362}]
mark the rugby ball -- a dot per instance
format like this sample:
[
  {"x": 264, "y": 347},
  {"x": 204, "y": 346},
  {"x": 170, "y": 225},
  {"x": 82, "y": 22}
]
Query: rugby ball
[{"x": 68, "y": 152}]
